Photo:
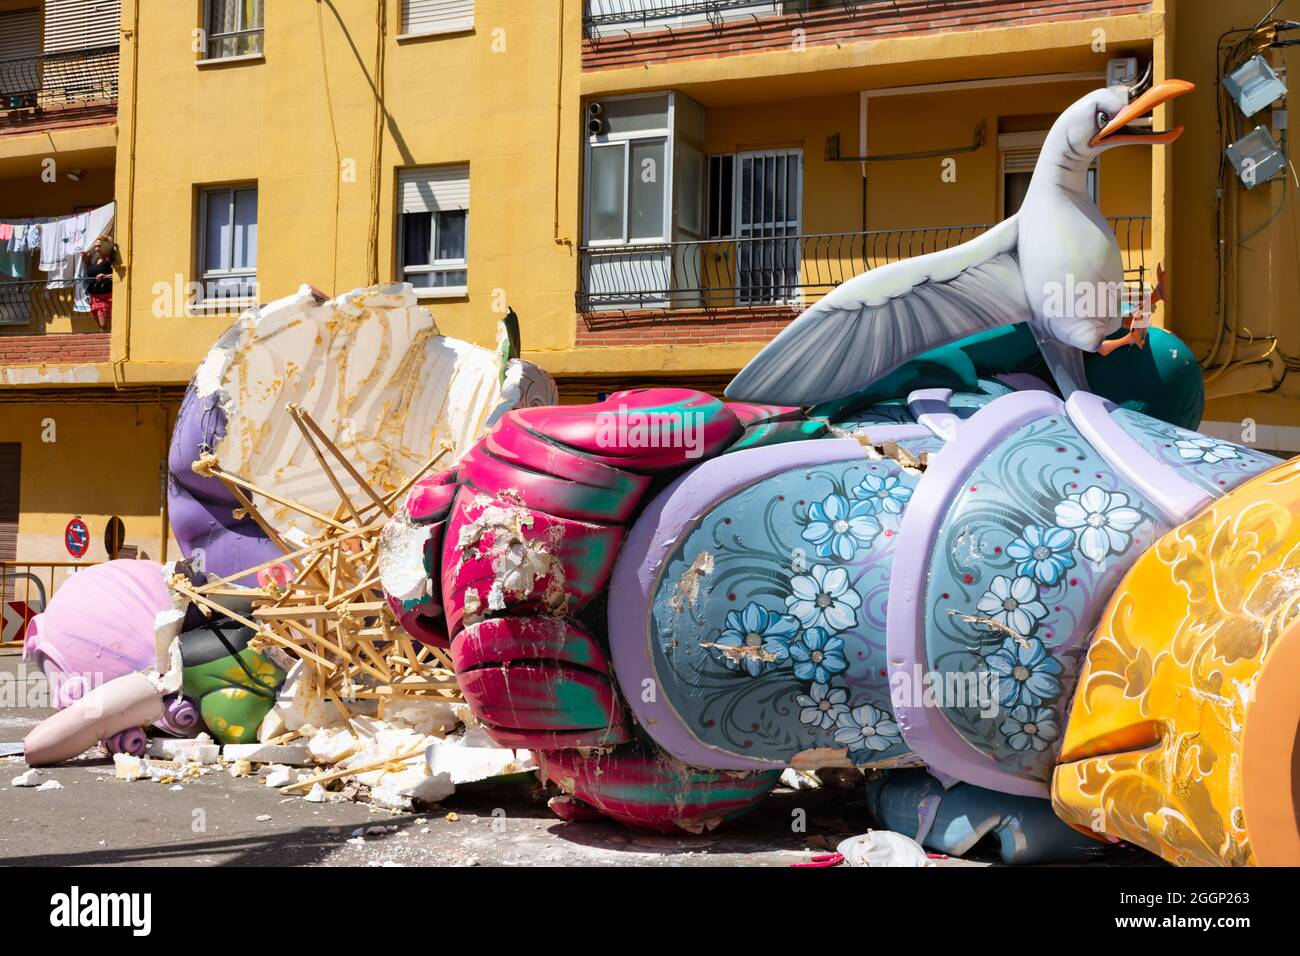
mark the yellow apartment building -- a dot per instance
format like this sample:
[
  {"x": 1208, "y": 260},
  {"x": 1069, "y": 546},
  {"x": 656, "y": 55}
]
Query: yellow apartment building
[{"x": 654, "y": 186}]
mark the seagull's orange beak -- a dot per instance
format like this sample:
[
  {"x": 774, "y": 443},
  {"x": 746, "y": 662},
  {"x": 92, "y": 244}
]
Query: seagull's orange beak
[{"x": 1118, "y": 131}]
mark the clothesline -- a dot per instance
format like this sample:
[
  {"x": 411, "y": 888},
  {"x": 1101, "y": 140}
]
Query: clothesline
[{"x": 57, "y": 244}]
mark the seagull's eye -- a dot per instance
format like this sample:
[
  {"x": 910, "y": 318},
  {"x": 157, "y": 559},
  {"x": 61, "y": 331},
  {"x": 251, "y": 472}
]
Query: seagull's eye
[{"x": 1103, "y": 119}]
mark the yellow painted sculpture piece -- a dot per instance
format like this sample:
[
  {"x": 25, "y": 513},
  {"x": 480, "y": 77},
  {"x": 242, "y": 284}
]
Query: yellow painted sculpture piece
[{"x": 1182, "y": 737}]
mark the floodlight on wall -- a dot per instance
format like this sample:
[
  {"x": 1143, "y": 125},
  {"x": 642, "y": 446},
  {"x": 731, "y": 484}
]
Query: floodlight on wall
[
  {"x": 1254, "y": 85},
  {"x": 1256, "y": 157}
]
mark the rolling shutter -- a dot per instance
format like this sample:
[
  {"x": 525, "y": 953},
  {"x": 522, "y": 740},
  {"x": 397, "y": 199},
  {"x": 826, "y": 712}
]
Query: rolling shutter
[
  {"x": 81, "y": 24},
  {"x": 433, "y": 189},
  {"x": 437, "y": 16},
  {"x": 11, "y": 456},
  {"x": 20, "y": 33}
]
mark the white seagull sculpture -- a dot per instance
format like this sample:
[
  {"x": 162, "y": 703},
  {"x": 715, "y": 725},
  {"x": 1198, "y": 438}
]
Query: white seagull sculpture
[{"x": 1025, "y": 269}]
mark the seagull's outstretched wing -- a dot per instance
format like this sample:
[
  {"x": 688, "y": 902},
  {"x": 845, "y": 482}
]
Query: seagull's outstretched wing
[{"x": 874, "y": 323}]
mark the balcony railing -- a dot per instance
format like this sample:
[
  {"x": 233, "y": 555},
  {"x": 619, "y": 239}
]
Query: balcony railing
[
  {"x": 783, "y": 273},
  {"x": 27, "y": 301},
  {"x": 31, "y": 86},
  {"x": 615, "y": 13}
]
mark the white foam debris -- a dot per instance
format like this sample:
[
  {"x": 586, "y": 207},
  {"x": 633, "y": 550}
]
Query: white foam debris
[
  {"x": 799, "y": 779},
  {"x": 341, "y": 361},
  {"x": 433, "y": 717},
  {"x": 317, "y": 794},
  {"x": 263, "y": 817},
  {"x": 29, "y": 778},
  {"x": 50, "y": 785},
  {"x": 295, "y": 708},
  {"x": 278, "y": 775},
  {"x": 293, "y": 754},
  {"x": 198, "y": 749},
  {"x": 128, "y": 768},
  {"x": 401, "y": 558}
]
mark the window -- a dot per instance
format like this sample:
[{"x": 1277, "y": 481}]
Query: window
[
  {"x": 423, "y": 17},
  {"x": 228, "y": 244},
  {"x": 629, "y": 178},
  {"x": 756, "y": 198},
  {"x": 233, "y": 28},
  {"x": 1019, "y": 157},
  {"x": 434, "y": 231}
]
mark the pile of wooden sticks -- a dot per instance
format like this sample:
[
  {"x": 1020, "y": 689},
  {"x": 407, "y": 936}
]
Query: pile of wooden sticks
[{"x": 322, "y": 603}]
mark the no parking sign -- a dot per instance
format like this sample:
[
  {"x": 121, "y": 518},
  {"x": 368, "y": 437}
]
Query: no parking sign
[{"x": 76, "y": 538}]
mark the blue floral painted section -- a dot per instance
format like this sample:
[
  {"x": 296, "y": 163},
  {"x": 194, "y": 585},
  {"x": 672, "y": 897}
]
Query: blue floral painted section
[
  {"x": 1027, "y": 555},
  {"x": 783, "y": 648},
  {"x": 1211, "y": 464},
  {"x": 966, "y": 404}
]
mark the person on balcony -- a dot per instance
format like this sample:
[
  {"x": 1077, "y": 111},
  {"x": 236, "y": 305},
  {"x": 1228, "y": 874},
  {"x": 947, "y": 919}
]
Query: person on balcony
[{"x": 98, "y": 263}]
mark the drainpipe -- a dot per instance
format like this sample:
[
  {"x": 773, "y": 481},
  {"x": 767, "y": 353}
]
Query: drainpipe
[
  {"x": 559, "y": 127},
  {"x": 119, "y": 365}
]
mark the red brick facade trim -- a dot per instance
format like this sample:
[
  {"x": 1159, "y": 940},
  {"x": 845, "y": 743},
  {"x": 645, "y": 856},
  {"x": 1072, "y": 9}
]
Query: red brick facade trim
[
  {"x": 686, "y": 327},
  {"x": 868, "y": 20},
  {"x": 60, "y": 349}
]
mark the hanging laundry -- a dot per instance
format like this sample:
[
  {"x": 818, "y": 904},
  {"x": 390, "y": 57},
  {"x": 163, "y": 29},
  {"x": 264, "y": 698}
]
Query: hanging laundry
[
  {"x": 51, "y": 245},
  {"x": 13, "y": 265}
]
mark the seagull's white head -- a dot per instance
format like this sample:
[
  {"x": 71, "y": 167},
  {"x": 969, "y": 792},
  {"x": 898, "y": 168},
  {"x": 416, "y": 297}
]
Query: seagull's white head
[{"x": 1108, "y": 117}]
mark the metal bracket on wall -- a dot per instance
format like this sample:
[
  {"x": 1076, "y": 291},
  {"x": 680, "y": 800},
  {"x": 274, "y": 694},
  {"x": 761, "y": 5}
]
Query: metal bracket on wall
[{"x": 833, "y": 150}]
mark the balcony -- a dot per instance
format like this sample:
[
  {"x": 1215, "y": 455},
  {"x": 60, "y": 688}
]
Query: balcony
[
  {"x": 71, "y": 87},
  {"x": 40, "y": 326},
  {"x": 25, "y": 302},
  {"x": 622, "y": 33},
  {"x": 769, "y": 278}
]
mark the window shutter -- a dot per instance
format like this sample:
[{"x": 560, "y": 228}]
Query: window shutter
[
  {"x": 1021, "y": 159},
  {"x": 81, "y": 24},
  {"x": 20, "y": 33},
  {"x": 433, "y": 189},
  {"x": 437, "y": 16},
  {"x": 11, "y": 456}
]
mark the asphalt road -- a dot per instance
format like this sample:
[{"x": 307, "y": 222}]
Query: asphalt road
[{"x": 96, "y": 820}]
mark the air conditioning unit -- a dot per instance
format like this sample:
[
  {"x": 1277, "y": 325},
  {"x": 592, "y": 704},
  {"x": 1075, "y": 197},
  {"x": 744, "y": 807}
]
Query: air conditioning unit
[{"x": 1122, "y": 71}]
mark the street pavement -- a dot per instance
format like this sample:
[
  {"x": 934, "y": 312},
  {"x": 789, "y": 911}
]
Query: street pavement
[{"x": 218, "y": 820}]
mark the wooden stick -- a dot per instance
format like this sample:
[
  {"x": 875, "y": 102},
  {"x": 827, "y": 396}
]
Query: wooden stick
[
  {"x": 298, "y": 415},
  {"x": 347, "y": 465},
  {"x": 351, "y": 771}
]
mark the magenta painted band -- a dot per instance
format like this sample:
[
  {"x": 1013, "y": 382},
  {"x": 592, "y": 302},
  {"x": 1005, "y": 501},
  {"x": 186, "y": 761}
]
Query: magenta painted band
[
  {"x": 1178, "y": 498},
  {"x": 930, "y": 407},
  {"x": 926, "y": 730},
  {"x": 649, "y": 546}
]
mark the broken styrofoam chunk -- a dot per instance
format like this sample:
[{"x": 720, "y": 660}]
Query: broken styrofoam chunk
[
  {"x": 399, "y": 791},
  {"x": 293, "y": 754},
  {"x": 883, "y": 848},
  {"x": 316, "y": 794},
  {"x": 50, "y": 785},
  {"x": 27, "y": 779},
  {"x": 329, "y": 745},
  {"x": 128, "y": 768},
  {"x": 278, "y": 775},
  {"x": 436, "y": 717},
  {"x": 462, "y": 763},
  {"x": 799, "y": 779},
  {"x": 196, "y": 750},
  {"x": 295, "y": 708},
  {"x": 272, "y": 726},
  {"x": 342, "y": 361}
]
